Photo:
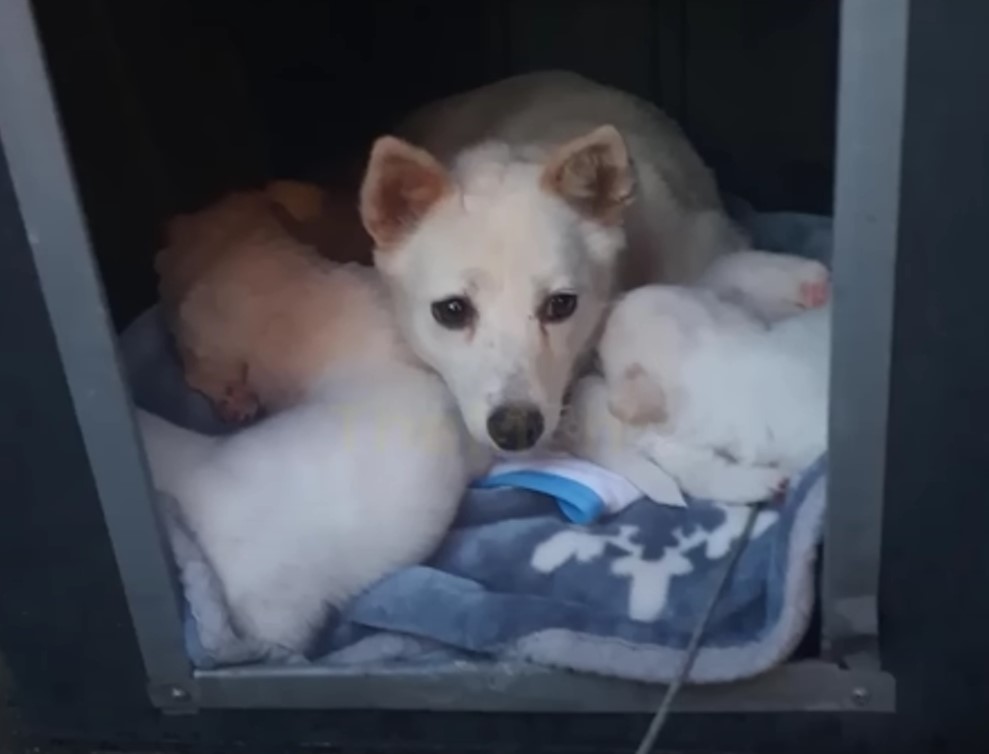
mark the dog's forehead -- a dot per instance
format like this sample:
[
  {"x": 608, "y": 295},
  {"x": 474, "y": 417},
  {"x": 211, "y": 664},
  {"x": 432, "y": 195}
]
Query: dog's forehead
[
  {"x": 516, "y": 264},
  {"x": 518, "y": 216},
  {"x": 501, "y": 245}
]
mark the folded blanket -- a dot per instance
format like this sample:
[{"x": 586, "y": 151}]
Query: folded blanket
[{"x": 516, "y": 580}]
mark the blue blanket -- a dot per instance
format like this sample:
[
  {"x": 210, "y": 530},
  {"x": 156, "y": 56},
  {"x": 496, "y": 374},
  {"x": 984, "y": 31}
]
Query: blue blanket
[{"x": 514, "y": 580}]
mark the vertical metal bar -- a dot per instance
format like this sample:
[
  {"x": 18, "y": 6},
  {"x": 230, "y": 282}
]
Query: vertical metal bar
[
  {"x": 42, "y": 178},
  {"x": 873, "y": 56}
]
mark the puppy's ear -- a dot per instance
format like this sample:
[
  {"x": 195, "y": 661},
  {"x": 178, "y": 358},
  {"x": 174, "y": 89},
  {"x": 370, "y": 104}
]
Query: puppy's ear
[
  {"x": 401, "y": 185},
  {"x": 636, "y": 399},
  {"x": 593, "y": 174}
]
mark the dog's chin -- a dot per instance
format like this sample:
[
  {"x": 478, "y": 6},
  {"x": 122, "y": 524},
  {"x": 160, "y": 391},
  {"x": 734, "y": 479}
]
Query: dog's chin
[{"x": 501, "y": 454}]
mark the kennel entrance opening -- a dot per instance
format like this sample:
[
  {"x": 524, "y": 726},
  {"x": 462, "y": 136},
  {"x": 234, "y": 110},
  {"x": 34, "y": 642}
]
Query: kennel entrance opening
[{"x": 847, "y": 679}]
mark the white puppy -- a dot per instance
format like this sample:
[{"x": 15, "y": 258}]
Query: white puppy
[
  {"x": 299, "y": 513},
  {"x": 729, "y": 405},
  {"x": 505, "y": 231}
]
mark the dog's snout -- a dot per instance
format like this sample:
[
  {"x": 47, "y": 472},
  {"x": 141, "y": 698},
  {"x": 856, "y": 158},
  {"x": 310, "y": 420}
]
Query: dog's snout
[{"x": 516, "y": 426}]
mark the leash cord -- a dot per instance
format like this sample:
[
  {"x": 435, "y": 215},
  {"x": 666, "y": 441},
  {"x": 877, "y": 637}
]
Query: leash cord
[{"x": 693, "y": 648}]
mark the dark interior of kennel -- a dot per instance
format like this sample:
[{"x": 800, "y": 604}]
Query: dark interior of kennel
[{"x": 168, "y": 103}]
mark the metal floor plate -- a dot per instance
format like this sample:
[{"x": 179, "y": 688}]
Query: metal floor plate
[{"x": 810, "y": 686}]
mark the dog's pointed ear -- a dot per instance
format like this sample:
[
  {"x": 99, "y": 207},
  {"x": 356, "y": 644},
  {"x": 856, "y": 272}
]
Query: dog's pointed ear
[
  {"x": 593, "y": 173},
  {"x": 401, "y": 185}
]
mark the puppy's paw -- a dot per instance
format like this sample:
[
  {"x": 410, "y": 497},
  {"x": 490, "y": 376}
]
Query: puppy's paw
[
  {"x": 815, "y": 289},
  {"x": 237, "y": 403},
  {"x": 225, "y": 385},
  {"x": 738, "y": 484},
  {"x": 802, "y": 283}
]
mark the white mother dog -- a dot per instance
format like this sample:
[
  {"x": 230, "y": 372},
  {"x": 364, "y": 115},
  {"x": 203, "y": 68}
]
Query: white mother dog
[{"x": 505, "y": 230}]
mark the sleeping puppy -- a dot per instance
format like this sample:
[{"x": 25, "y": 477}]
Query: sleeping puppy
[
  {"x": 300, "y": 512},
  {"x": 723, "y": 385},
  {"x": 255, "y": 294}
]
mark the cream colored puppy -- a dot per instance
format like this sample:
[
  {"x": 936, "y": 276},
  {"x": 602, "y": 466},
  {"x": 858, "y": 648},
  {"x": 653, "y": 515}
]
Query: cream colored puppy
[{"x": 256, "y": 299}]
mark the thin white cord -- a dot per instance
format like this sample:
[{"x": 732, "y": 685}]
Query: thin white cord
[{"x": 693, "y": 648}]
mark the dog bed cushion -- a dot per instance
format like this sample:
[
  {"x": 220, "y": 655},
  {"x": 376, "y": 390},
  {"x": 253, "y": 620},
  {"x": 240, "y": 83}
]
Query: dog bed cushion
[{"x": 515, "y": 580}]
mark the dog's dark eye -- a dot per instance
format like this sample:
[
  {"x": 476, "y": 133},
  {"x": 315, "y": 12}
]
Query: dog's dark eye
[
  {"x": 558, "y": 307},
  {"x": 454, "y": 313}
]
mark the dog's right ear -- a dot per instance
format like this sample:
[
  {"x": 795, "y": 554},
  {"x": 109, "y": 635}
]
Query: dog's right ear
[
  {"x": 401, "y": 185},
  {"x": 593, "y": 173}
]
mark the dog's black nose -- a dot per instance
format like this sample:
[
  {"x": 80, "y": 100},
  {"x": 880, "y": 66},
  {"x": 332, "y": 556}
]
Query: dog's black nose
[{"x": 516, "y": 426}]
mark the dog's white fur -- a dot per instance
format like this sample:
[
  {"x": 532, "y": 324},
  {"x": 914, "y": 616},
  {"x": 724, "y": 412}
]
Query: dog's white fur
[
  {"x": 729, "y": 405},
  {"x": 538, "y": 184}
]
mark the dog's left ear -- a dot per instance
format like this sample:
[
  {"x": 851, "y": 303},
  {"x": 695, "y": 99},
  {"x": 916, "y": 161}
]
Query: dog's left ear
[
  {"x": 401, "y": 185},
  {"x": 593, "y": 173}
]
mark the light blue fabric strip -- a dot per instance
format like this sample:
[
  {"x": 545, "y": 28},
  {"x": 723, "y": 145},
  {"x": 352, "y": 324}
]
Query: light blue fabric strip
[{"x": 579, "y": 503}]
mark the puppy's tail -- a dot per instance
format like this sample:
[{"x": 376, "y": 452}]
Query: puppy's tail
[{"x": 173, "y": 452}]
